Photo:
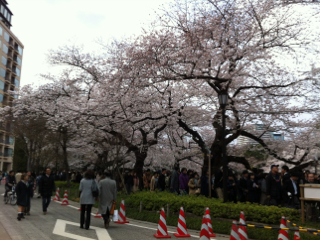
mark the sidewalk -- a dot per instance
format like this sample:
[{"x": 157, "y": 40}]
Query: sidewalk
[{"x": 3, "y": 233}]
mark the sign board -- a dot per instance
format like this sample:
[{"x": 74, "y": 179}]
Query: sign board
[
  {"x": 312, "y": 191},
  {"x": 309, "y": 192}
]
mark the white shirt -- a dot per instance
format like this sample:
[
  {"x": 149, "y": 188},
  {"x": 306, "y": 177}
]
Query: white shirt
[{"x": 295, "y": 187}]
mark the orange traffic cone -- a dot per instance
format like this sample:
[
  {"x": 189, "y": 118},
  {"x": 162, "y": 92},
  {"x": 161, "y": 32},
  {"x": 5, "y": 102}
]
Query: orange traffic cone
[
  {"x": 283, "y": 234},
  {"x": 297, "y": 235},
  {"x": 182, "y": 226},
  {"x": 65, "y": 199},
  {"x": 243, "y": 235},
  {"x": 207, "y": 214},
  {"x": 234, "y": 231},
  {"x": 204, "y": 233},
  {"x": 162, "y": 227},
  {"x": 98, "y": 215},
  {"x": 122, "y": 214},
  {"x": 57, "y": 197}
]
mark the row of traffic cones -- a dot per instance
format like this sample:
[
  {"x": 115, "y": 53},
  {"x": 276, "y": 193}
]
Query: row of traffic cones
[
  {"x": 206, "y": 228},
  {"x": 241, "y": 232}
]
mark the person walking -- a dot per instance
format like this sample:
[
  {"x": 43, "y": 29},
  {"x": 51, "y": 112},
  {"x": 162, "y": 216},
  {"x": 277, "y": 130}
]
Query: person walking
[
  {"x": 243, "y": 186},
  {"x": 46, "y": 187},
  {"x": 183, "y": 181},
  {"x": 10, "y": 181},
  {"x": 194, "y": 184},
  {"x": 107, "y": 195},
  {"x": 174, "y": 183},
  {"x": 253, "y": 189},
  {"x": 153, "y": 182},
  {"x": 147, "y": 180},
  {"x": 162, "y": 180},
  {"x": 128, "y": 180},
  {"x": 273, "y": 186},
  {"x": 31, "y": 185},
  {"x": 23, "y": 191},
  {"x": 87, "y": 200}
]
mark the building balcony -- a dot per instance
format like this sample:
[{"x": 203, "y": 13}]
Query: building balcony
[
  {"x": 16, "y": 49},
  {"x": 8, "y": 66},
  {"x": 7, "y": 79},
  {"x": 1, "y": 154},
  {"x": 10, "y": 55},
  {"x": 11, "y": 46}
]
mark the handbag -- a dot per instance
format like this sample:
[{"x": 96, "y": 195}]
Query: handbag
[
  {"x": 94, "y": 189},
  {"x": 113, "y": 207}
]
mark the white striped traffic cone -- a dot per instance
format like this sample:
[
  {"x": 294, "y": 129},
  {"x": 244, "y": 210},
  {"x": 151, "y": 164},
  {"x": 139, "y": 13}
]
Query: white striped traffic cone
[
  {"x": 65, "y": 201},
  {"x": 57, "y": 197},
  {"x": 297, "y": 235},
  {"x": 283, "y": 234},
  {"x": 162, "y": 226},
  {"x": 243, "y": 235},
  {"x": 207, "y": 214},
  {"x": 122, "y": 214},
  {"x": 182, "y": 226},
  {"x": 234, "y": 231},
  {"x": 98, "y": 215},
  {"x": 204, "y": 233}
]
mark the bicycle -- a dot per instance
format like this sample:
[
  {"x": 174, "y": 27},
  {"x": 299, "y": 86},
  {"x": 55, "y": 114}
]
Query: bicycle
[{"x": 11, "y": 197}]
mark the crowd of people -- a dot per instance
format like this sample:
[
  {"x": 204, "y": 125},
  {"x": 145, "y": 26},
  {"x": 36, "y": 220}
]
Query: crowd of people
[
  {"x": 273, "y": 188},
  {"x": 91, "y": 190}
]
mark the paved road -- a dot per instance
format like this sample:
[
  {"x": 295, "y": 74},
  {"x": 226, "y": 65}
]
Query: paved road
[{"x": 62, "y": 223}]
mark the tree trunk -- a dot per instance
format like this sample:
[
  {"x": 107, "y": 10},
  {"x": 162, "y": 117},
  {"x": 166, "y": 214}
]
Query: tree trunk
[{"x": 138, "y": 167}]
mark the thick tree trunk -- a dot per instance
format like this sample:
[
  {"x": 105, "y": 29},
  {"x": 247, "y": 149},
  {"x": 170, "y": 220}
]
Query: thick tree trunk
[{"x": 138, "y": 167}]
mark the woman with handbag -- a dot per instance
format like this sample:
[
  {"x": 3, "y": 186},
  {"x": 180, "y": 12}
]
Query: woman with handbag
[
  {"x": 194, "y": 184},
  {"x": 89, "y": 192}
]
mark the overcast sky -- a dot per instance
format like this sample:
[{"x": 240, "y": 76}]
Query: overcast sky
[{"x": 42, "y": 25}]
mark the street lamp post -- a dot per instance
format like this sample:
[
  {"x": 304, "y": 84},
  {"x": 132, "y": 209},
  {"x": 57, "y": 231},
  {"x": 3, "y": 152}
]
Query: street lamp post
[{"x": 223, "y": 100}]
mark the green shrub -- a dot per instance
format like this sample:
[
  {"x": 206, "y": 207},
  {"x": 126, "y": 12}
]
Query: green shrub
[{"x": 218, "y": 209}]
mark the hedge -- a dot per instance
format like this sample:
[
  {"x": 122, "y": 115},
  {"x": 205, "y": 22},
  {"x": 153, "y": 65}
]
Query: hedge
[{"x": 218, "y": 209}]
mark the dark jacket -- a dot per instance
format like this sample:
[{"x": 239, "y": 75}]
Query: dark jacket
[
  {"x": 253, "y": 191},
  {"x": 128, "y": 179},
  {"x": 10, "y": 179},
  {"x": 291, "y": 201},
  {"x": 285, "y": 178},
  {"x": 174, "y": 184},
  {"x": 183, "y": 181},
  {"x": 273, "y": 186},
  {"x": 162, "y": 182},
  {"x": 218, "y": 181},
  {"x": 23, "y": 193},
  {"x": 31, "y": 185},
  {"x": 204, "y": 187},
  {"x": 46, "y": 186},
  {"x": 243, "y": 189},
  {"x": 232, "y": 190}
]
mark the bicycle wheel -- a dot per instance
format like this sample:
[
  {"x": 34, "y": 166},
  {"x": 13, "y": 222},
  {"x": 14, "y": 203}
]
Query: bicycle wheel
[
  {"x": 6, "y": 199},
  {"x": 13, "y": 200}
]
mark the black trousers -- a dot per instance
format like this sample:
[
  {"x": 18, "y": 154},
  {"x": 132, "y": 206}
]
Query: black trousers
[
  {"x": 106, "y": 216},
  {"x": 85, "y": 208}
]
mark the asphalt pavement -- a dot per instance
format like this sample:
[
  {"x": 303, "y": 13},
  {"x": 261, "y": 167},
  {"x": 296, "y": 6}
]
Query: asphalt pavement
[{"x": 62, "y": 223}]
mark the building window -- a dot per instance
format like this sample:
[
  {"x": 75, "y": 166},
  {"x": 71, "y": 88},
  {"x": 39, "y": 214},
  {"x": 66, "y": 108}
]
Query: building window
[
  {"x": 1, "y": 98},
  {"x": 18, "y": 72},
  {"x": 8, "y": 152},
  {"x": 10, "y": 140},
  {"x": 18, "y": 60},
  {"x": 5, "y": 49},
  {"x": 16, "y": 82},
  {"x": 2, "y": 9},
  {"x": 1, "y": 85},
  {"x": 20, "y": 50},
  {"x": 2, "y": 73},
  {"x": 1, "y": 30},
  {"x": 4, "y": 60},
  {"x": 9, "y": 17},
  {"x": 5, "y": 13},
  {"x": 6, "y": 36}
]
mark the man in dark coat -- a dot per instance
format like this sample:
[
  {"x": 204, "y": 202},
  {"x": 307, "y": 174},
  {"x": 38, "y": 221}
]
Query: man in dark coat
[
  {"x": 46, "y": 187},
  {"x": 174, "y": 184},
  {"x": 128, "y": 180},
  {"x": 162, "y": 180},
  {"x": 273, "y": 186},
  {"x": 218, "y": 183},
  {"x": 292, "y": 191},
  {"x": 243, "y": 186},
  {"x": 204, "y": 187}
]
